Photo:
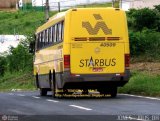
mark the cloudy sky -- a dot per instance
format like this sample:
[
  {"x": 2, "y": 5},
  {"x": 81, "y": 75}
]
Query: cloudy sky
[
  {"x": 9, "y": 40},
  {"x": 70, "y": 2},
  {"x": 65, "y": 3}
]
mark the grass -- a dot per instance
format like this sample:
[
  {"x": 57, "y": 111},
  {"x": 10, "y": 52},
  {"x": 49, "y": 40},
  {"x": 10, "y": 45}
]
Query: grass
[
  {"x": 21, "y": 22},
  {"x": 23, "y": 81},
  {"x": 142, "y": 84}
]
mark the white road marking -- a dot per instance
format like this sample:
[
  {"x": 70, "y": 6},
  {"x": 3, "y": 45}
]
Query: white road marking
[
  {"x": 152, "y": 98},
  {"x": 36, "y": 97},
  {"x": 21, "y": 95},
  {"x": 55, "y": 101},
  {"x": 80, "y": 107},
  {"x": 131, "y": 118},
  {"x": 11, "y": 94}
]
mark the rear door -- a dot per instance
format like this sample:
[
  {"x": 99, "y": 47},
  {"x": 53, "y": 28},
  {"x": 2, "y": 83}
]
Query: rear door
[{"x": 98, "y": 39}]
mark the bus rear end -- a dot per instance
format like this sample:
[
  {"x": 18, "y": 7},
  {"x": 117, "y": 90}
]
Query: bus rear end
[{"x": 99, "y": 50}]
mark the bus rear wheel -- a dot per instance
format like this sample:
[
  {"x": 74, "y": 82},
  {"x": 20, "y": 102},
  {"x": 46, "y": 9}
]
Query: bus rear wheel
[
  {"x": 54, "y": 84},
  {"x": 43, "y": 91},
  {"x": 85, "y": 92},
  {"x": 114, "y": 92}
]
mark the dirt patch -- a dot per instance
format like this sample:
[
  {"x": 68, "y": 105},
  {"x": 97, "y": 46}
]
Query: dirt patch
[
  {"x": 8, "y": 10},
  {"x": 150, "y": 67}
]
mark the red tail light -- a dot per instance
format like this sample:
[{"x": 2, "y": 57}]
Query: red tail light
[
  {"x": 66, "y": 61},
  {"x": 127, "y": 60}
]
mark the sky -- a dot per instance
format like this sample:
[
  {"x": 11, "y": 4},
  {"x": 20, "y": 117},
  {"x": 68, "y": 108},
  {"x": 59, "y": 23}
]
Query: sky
[
  {"x": 65, "y": 3},
  {"x": 9, "y": 40},
  {"x": 68, "y": 2},
  {"x": 71, "y": 3}
]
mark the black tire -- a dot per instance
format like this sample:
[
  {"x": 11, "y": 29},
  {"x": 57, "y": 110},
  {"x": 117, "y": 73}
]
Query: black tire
[
  {"x": 103, "y": 91},
  {"x": 114, "y": 92},
  {"x": 37, "y": 82},
  {"x": 85, "y": 92},
  {"x": 43, "y": 91},
  {"x": 54, "y": 85},
  {"x": 50, "y": 79}
]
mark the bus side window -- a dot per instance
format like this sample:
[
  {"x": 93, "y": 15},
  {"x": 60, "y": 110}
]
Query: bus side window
[
  {"x": 48, "y": 30},
  {"x": 43, "y": 39},
  {"x": 59, "y": 32},
  {"x": 55, "y": 34},
  {"x": 62, "y": 31},
  {"x": 37, "y": 42},
  {"x": 40, "y": 41},
  {"x": 50, "y": 37},
  {"x": 46, "y": 37}
]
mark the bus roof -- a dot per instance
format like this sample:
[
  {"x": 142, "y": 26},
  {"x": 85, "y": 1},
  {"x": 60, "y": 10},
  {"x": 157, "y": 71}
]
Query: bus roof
[{"x": 52, "y": 20}]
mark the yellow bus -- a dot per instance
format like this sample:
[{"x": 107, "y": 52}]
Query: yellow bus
[{"x": 83, "y": 48}]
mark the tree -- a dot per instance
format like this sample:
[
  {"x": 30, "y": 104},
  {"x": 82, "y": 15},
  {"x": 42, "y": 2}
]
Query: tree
[
  {"x": 142, "y": 18},
  {"x": 2, "y": 65},
  {"x": 157, "y": 10},
  {"x": 157, "y": 7},
  {"x": 20, "y": 59}
]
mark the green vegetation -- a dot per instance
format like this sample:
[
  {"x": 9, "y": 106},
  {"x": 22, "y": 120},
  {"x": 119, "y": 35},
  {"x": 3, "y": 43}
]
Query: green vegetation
[
  {"x": 138, "y": 19},
  {"x": 22, "y": 57},
  {"x": 142, "y": 84},
  {"x": 17, "y": 80},
  {"x": 144, "y": 32},
  {"x": 3, "y": 64},
  {"x": 18, "y": 59},
  {"x": 16, "y": 68},
  {"x": 146, "y": 43},
  {"x": 21, "y": 22}
]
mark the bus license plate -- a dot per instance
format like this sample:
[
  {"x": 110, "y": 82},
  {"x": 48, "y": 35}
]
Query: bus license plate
[{"x": 97, "y": 69}]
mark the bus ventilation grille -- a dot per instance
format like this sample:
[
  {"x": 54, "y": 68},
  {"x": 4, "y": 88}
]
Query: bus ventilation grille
[
  {"x": 80, "y": 39},
  {"x": 96, "y": 38}
]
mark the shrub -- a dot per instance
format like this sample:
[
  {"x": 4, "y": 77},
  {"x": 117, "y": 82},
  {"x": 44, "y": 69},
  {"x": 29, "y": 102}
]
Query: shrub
[
  {"x": 146, "y": 42},
  {"x": 3, "y": 64},
  {"x": 142, "y": 18},
  {"x": 157, "y": 7},
  {"x": 20, "y": 55},
  {"x": 142, "y": 84}
]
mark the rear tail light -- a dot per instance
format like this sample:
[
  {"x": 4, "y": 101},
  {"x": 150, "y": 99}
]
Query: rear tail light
[
  {"x": 127, "y": 60},
  {"x": 66, "y": 61}
]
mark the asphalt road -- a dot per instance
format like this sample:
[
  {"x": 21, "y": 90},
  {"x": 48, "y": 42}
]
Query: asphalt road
[{"x": 29, "y": 106}]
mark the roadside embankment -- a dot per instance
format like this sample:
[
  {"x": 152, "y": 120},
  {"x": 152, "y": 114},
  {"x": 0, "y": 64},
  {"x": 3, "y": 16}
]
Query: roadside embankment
[{"x": 145, "y": 79}]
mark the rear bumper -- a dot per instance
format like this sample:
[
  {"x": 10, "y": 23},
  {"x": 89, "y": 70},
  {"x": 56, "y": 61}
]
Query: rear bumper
[{"x": 93, "y": 81}]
